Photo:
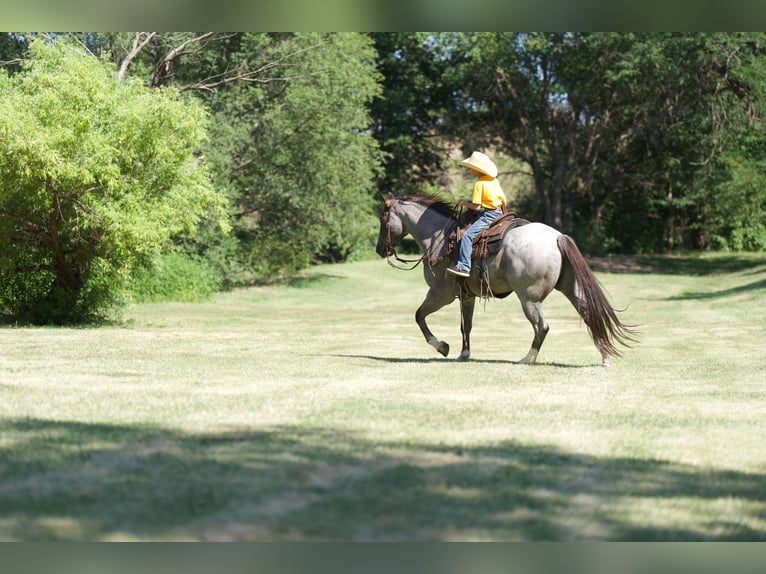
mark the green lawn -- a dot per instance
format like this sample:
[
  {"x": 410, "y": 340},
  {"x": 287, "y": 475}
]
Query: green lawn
[{"x": 315, "y": 411}]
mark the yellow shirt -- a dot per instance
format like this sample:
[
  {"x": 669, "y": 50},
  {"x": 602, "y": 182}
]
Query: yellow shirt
[{"x": 488, "y": 193}]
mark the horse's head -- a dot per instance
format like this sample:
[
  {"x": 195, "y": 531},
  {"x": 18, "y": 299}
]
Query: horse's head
[{"x": 391, "y": 228}]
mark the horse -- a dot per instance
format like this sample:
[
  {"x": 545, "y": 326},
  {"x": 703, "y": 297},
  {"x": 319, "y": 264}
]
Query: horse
[{"x": 533, "y": 260}]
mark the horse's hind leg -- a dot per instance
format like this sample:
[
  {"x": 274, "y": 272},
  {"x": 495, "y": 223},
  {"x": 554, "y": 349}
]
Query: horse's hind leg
[
  {"x": 533, "y": 312},
  {"x": 434, "y": 301},
  {"x": 568, "y": 286}
]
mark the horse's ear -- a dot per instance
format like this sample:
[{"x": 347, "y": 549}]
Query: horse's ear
[{"x": 389, "y": 199}]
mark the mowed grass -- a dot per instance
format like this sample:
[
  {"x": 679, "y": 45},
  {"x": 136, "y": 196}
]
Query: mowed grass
[{"x": 314, "y": 410}]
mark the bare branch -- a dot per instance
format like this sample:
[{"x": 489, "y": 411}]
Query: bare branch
[
  {"x": 13, "y": 62},
  {"x": 139, "y": 44},
  {"x": 245, "y": 77},
  {"x": 164, "y": 67},
  {"x": 239, "y": 74}
]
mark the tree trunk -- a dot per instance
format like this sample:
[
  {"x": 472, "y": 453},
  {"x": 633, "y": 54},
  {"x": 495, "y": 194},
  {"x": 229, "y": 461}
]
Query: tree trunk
[
  {"x": 671, "y": 226},
  {"x": 69, "y": 276}
]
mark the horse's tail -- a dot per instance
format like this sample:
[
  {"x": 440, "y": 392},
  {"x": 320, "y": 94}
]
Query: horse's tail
[{"x": 604, "y": 327}]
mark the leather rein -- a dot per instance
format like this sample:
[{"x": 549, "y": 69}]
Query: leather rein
[{"x": 391, "y": 251}]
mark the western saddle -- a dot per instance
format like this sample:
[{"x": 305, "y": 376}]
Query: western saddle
[{"x": 489, "y": 241}]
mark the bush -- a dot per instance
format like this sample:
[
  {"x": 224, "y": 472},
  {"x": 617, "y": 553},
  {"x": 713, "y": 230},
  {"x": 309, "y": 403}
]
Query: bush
[
  {"x": 95, "y": 174},
  {"x": 175, "y": 277},
  {"x": 37, "y": 298}
]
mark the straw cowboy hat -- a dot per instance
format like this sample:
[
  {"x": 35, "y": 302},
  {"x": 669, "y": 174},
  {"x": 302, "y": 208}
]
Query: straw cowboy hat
[{"x": 480, "y": 162}]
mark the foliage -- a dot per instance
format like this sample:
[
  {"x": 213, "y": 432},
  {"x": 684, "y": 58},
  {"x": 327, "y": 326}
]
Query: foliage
[
  {"x": 95, "y": 175},
  {"x": 616, "y": 127},
  {"x": 409, "y": 114},
  {"x": 173, "y": 276},
  {"x": 305, "y": 162},
  {"x": 630, "y": 142},
  {"x": 289, "y": 139}
]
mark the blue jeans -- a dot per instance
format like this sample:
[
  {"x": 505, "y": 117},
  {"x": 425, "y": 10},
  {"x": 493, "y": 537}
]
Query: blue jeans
[{"x": 466, "y": 243}]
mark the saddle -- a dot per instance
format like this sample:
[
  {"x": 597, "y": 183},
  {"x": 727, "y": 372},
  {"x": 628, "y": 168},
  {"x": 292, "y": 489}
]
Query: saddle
[{"x": 489, "y": 241}]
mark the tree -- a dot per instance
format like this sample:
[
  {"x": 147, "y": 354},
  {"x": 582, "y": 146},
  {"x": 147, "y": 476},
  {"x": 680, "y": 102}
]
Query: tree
[
  {"x": 95, "y": 173},
  {"x": 419, "y": 92},
  {"x": 299, "y": 157},
  {"x": 620, "y": 130},
  {"x": 725, "y": 208},
  {"x": 290, "y": 139}
]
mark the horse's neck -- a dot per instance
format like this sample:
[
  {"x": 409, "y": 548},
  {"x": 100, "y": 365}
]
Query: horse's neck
[{"x": 428, "y": 227}]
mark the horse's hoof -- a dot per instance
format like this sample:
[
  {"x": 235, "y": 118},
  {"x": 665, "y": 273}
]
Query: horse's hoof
[
  {"x": 443, "y": 348},
  {"x": 529, "y": 359},
  {"x": 463, "y": 357}
]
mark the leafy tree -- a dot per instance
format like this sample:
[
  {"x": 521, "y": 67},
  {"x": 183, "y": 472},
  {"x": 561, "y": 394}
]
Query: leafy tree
[
  {"x": 300, "y": 161},
  {"x": 727, "y": 205},
  {"x": 13, "y": 46},
  {"x": 690, "y": 100},
  {"x": 95, "y": 174},
  {"x": 620, "y": 130},
  {"x": 410, "y": 114},
  {"x": 290, "y": 139}
]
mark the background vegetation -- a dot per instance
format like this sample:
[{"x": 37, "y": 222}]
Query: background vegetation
[
  {"x": 95, "y": 174},
  {"x": 632, "y": 143}
]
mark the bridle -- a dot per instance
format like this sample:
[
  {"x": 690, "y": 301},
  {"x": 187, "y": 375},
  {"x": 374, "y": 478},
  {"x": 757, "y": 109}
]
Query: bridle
[{"x": 391, "y": 251}]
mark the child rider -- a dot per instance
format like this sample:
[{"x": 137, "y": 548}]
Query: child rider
[{"x": 488, "y": 199}]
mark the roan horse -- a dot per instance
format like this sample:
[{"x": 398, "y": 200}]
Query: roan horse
[{"x": 532, "y": 261}]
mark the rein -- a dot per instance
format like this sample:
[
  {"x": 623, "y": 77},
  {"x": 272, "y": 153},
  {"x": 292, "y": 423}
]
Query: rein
[
  {"x": 404, "y": 261},
  {"x": 391, "y": 251}
]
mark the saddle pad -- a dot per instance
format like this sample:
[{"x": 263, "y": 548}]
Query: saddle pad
[{"x": 488, "y": 241}]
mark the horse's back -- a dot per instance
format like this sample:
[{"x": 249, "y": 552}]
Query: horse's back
[{"x": 533, "y": 245}]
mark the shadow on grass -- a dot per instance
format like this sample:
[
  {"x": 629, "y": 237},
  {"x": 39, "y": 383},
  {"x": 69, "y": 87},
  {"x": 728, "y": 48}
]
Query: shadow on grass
[
  {"x": 732, "y": 291},
  {"x": 74, "y": 481},
  {"x": 694, "y": 264},
  {"x": 298, "y": 280},
  {"x": 454, "y": 360},
  {"x": 412, "y": 360}
]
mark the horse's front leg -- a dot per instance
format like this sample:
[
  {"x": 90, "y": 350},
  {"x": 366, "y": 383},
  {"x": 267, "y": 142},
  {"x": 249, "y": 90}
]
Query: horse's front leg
[
  {"x": 466, "y": 323},
  {"x": 434, "y": 301}
]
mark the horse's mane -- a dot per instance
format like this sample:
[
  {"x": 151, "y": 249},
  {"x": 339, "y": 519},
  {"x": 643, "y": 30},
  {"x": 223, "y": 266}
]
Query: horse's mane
[{"x": 433, "y": 200}]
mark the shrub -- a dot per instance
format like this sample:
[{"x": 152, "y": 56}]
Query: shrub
[
  {"x": 174, "y": 277},
  {"x": 94, "y": 175}
]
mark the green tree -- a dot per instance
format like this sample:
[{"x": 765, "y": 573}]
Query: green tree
[
  {"x": 726, "y": 206},
  {"x": 96, "y": 173},
  {"x": 622, "y": 132},
  {"x": 290, "y": 139},
  {"x": 13, "y": 46},
  {"x": 410, "y": 114},
  {"x": 303, "y": 164}
]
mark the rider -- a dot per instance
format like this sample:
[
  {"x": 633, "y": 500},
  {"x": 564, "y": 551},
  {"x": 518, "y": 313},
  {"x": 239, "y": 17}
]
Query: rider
[{"x": 488, "y": 199}]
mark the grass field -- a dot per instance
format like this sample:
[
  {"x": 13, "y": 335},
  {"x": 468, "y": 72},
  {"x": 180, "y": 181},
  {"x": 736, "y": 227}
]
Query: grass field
[{"x": 315, "y": 411}]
